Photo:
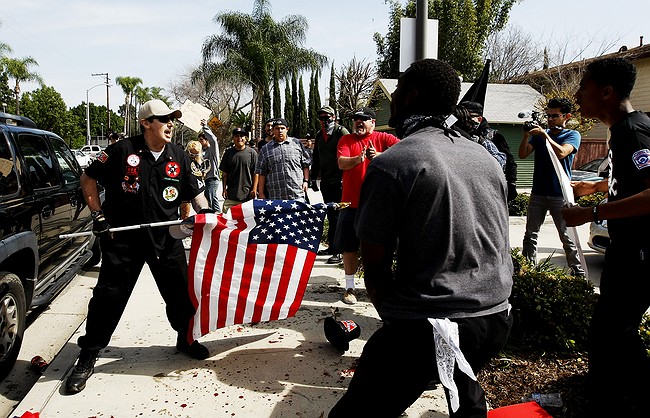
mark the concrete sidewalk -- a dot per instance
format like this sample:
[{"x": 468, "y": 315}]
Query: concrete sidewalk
[{"x": 278, "y": 369}]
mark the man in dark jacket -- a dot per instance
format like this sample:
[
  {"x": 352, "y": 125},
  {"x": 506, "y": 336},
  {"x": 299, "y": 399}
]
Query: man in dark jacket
[
  {"x": 484, "y": 130},
  {"x": 324, "y": 165}
]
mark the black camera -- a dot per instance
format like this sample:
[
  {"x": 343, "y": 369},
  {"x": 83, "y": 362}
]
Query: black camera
[{"x": 530, "y": 124}]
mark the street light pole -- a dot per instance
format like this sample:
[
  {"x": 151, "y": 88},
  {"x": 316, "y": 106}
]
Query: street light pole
[{"x": 88, "y": 114}]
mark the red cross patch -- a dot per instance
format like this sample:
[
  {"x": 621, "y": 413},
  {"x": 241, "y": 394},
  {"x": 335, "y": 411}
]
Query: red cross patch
[{"x": 172, "y": 169}]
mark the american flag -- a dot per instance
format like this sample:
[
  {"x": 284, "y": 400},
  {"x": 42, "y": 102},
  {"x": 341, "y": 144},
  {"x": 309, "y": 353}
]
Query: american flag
[{"x": 252, "y": 264}]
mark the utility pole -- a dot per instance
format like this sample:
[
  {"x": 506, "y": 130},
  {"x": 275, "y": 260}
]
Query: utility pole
[
  {"x": 108, "y": 109},
  {"x": 421, "y": 17}
]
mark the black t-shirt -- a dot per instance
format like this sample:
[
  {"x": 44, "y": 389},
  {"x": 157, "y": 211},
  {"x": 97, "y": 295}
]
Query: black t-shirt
[
  {"x": 140, "y": 189},
  {"x": 629, "y": 157},
  {"x": 239, "y": 165}
]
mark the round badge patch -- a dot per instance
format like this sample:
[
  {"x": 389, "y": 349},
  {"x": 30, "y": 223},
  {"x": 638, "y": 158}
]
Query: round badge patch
[
  {"x": 170, "y": 193},
  {"x": 133, "y": 160},
  {"x": 172, "y": 169}
]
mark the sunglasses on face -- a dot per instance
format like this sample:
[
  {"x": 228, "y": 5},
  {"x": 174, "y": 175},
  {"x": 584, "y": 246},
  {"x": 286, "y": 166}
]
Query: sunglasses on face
[
  {"x": 361, "y": 118},
  {"x": 162, "y": 119},
  {"x": 553, "y": 115}
]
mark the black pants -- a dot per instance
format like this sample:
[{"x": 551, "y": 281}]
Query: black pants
[
  {"x": 331, "y": 194},
  {"x": 619, "y": 367},
  {"x": 123, "y": 258},
  {"x": 399, "y": 361}
]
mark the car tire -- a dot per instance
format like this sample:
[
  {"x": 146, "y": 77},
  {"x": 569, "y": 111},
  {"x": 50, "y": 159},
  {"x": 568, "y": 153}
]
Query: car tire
[
  {"x": 12, "y": 320},
  {"x": 96, "y": 257}
]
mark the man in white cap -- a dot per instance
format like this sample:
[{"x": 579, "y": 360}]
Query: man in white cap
[{"x": 145, "y": 179}]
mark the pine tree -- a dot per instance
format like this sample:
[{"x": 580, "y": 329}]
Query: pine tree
[
  {"x": 301, "y": 125},
  {"x": 317, "y": 105},
  {"x": 277, "y": 105},
  {"x": 288, "y": 102},
  {"x": 294, "y": 100},
  {"x": 311, "y": 111},
  {"x": 333, "y": 104}
]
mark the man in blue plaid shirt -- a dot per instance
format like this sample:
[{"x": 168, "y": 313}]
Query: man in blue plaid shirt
[{"x": 283, "y": 166}]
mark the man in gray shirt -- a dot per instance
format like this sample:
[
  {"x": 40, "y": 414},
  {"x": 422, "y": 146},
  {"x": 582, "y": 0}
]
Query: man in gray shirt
[
  {"x": 211, "y": 156},
  {"x": 438, "y": 202}
]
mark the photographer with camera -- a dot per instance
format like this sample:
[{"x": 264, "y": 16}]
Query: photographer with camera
[{"x": 546, "y": 194}]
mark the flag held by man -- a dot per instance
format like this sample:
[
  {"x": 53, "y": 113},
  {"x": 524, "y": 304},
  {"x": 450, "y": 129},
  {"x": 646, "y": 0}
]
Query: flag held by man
[{"x": 253, "y": 263}]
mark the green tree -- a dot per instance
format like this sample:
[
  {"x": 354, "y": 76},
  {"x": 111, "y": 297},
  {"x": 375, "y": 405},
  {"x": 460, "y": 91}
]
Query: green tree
[
  {"x": 314, "y": 104},
  {"x": 463, "y": 30},
  {"x": 6, "y": 94},
  {"x": 128, "y": 85},
  {"x": 247, "y": 51},
  {"x": 20, "y": 70},
  {"x": 46, "y": 107},
  {"x": 300, "y": 129},
  {"x": 73, "y": 130},
  {"x": 288, "y": 102},
  {"x": 295, "y": 100},
  {"x": 277, "y": 102},
  {"x": 333, "y": 103}
]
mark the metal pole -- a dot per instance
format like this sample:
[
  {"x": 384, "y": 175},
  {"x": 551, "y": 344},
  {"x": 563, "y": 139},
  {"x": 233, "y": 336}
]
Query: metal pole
[
  {"x": 87, "y": 119},
  {"x": 421, "y": 18}
]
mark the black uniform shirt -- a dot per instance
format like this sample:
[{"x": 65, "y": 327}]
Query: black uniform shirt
[{"x": 140, "y": 189}]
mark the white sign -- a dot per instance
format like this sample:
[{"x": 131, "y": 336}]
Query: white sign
[
  {"x": 407, "y": 41},
  {"x": 193, "y": 114}
]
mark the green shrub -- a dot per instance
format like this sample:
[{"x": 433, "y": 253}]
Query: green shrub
[
  {"x": 552, "y": 309},
  {"x": 519, "y": 205},
  {"x": 590, "y": 199}
]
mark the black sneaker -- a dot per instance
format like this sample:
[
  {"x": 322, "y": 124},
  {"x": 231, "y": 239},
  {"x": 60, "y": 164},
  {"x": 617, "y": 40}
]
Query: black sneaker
[
  {"x": 325, "y": 251},
  {"x": 335, "y": 259},
  {"x": 195, "y": 350},
  {"x": 85, "y": 367}
]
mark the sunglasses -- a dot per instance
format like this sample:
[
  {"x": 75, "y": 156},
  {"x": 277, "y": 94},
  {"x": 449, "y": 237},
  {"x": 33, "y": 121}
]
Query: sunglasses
[
  {"x": 553, "y": 115},
  {"x": 162, "y": 119}
]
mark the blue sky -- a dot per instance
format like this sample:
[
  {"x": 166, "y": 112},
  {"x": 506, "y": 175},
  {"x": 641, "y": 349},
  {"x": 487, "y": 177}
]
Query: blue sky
[{"x": 158, "y": 40}]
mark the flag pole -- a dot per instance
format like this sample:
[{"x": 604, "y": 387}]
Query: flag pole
[{"x": 126, "y": 228}]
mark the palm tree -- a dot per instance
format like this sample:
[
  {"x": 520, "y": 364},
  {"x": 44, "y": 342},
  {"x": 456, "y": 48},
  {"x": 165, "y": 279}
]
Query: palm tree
[
  {"x": 19, "y": 70},
  {"x": 128, "y": 85},
  {"x": 252, "y": 47}
]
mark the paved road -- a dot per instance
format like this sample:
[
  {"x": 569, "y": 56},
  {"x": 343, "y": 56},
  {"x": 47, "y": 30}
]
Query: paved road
[{"x": 283, "y": 368}]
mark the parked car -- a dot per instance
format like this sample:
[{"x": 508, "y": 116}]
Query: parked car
[
  {"x": 594, "y": 170},
  {"x": 92, "y": 150},
  {"x": 83, "y": 159},
  {"x": 40, "y": 198}
]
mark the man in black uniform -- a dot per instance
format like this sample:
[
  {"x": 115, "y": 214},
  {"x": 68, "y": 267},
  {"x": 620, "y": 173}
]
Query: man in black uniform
[
  {"x": 325, "y": 165},
  {"x": 619, "y": 366},
  {"x": 484, "y": 130},
  {"x": 145, "y": 178}
]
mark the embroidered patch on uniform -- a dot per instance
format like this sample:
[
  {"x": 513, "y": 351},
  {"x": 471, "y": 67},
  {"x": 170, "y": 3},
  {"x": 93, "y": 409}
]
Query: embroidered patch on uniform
[
  {"x": 131, "y": 171},
  {"x": 172, "y": 169},
  {"x": 102, "y": 157},
  {"x": 133, "y": 160},
  {"x": 170, "y": 193},
  {"x": 641, "y": 158}
]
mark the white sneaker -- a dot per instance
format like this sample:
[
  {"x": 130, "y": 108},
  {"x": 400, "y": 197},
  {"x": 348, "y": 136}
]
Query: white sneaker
[{"x": 350, "y": 296}]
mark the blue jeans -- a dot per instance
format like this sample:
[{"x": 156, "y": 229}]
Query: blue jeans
[
  {"x": 211, "y": 193},
  {"x": 537, "y": 208}
]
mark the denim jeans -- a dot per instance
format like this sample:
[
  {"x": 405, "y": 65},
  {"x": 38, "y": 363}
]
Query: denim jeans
[
  {"x": 212, "y": 194},
  {"x": 537, "y": 208}
]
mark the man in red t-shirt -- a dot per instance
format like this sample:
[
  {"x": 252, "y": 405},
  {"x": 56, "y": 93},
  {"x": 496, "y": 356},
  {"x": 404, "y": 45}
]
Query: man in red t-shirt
[{"x": 355, "y": 152}]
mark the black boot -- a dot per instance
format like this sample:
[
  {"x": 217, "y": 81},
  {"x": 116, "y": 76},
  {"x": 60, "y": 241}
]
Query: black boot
[
  {"x": 194, "y": 350},
  {"x": 85, "y": 367}
]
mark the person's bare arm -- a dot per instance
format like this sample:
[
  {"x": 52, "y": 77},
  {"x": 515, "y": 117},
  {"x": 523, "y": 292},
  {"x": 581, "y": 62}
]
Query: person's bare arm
[
  {"x": 347, "y": 163},
  {"x": 91, "y": 192},
  {"x": 261, "y": 183},
  {"x": 199, "y": 202}
]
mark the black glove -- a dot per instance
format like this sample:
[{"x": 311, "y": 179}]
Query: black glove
[
  {"x": 314, "y": 185},
  {"x": 207, "y": 210},
  {"x": 101, "y": 226}
]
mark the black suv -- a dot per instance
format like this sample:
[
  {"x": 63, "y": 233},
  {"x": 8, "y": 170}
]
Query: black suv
[{"x": 40, "y": 198}]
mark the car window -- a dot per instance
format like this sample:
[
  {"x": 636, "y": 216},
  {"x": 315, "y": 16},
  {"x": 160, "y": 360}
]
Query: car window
[
  {"x": 40, "y": 163},
  {"x": 68, "y": 163},
  {"x": 8, "y": 176}
]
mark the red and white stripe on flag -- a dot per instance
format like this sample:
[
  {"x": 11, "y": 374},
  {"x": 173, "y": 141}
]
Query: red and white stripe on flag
[{"x": 253, "y": 263}]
